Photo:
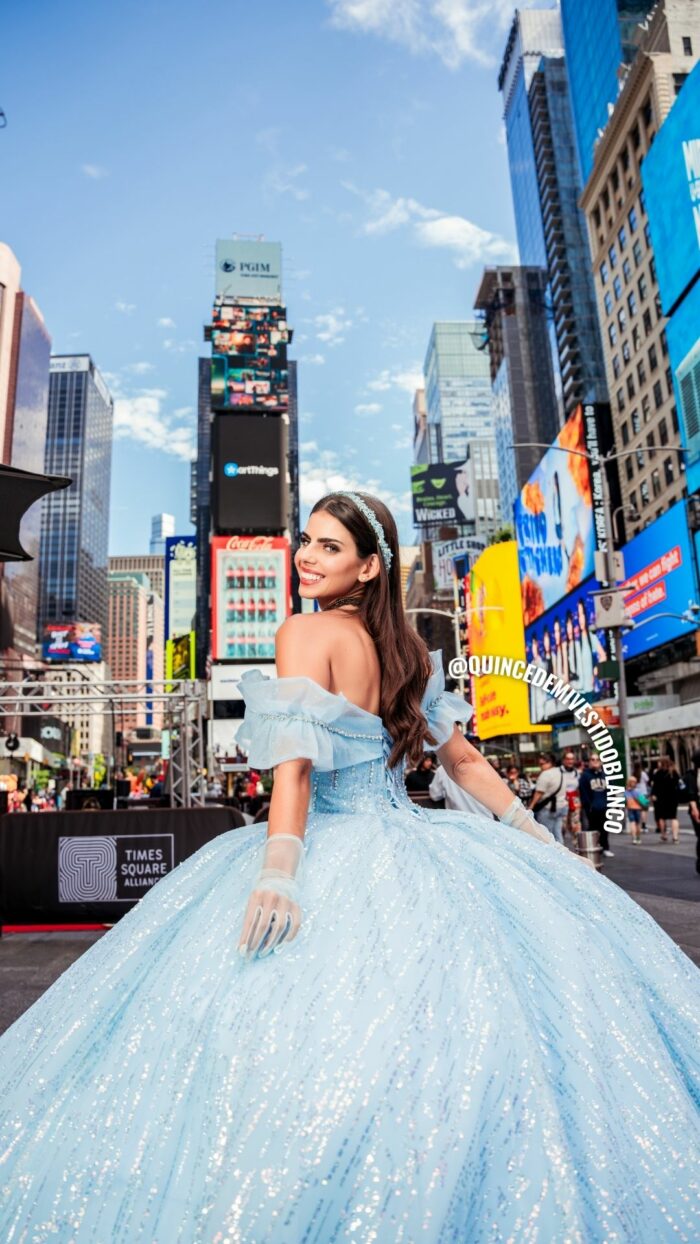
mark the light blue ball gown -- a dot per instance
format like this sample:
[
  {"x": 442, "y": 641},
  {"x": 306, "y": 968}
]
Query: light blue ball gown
[{"x": 473, "y": 1037}]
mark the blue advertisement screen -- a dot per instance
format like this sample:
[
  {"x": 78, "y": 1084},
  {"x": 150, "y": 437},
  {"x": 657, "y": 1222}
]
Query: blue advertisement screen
[
  {"x": 671, "y": 179},
  {"x": 660, "y": 579},
  {"x": 564, "y": 640},
  {"x": 683, "y": 337}
]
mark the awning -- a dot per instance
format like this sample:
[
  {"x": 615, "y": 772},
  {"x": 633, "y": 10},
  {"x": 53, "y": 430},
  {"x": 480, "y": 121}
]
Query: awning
[
  {"x": 19, "y": 490},
  {"x": 683, "y": 717}
]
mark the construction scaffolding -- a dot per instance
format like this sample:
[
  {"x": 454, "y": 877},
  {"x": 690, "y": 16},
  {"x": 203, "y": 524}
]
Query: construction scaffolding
[{"x": 183, "y": 704}]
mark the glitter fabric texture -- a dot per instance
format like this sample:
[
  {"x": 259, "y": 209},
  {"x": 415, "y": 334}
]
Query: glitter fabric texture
[{"x": 473, "y": 1038}]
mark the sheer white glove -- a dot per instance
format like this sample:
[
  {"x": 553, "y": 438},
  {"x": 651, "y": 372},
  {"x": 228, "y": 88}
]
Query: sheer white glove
[
  {"x": 273, "y": 915},
  {"x": 520, "y": 817}
]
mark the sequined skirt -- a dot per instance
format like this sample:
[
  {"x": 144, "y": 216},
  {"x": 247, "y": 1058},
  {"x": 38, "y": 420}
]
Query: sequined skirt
[{"x": 473, "y": 1038}]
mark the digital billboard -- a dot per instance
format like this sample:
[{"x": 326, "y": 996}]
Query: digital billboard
[
  {"x": 249, "y": 357},
  {"x": 180, "y": 584},
  {"x": 495, "y": 628},
  {"x": 250, "y": 592},
  {"x": 683, "y": 337},
  {"x": 671, "y": 179},
  {"x": 249, "y": 269},
  {"x": 554, "y": 525},
  {"x": 72, "y": 641},
  {"x": 444, "y": 493},
  {"x": 565, "y": 643},
  {"x": 660, "y": 579},
  {"x": 179, "y": 656},
  {"x": 444, "y": 551},
  {"x": 249, "y": 463}
]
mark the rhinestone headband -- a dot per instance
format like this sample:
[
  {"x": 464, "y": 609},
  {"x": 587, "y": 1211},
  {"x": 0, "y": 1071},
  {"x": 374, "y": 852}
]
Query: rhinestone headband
[{"x": 373, "y": 522}]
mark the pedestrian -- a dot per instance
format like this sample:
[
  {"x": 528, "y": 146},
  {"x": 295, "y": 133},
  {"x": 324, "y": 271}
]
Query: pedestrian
[
  {"x": 643, "y": 789},
  {"x": 548, "y": 800},
  {"x": 692, "y": 784},
  {"x": 419, "y": 779},
  {"x": 665, "y": 792},
  {"x": 593, "y": 789},
  {"x": 634, "y": 809},
  {"x": 456, "y": 798},
  {"x": 572, "y": 821},
  {"x": 519, "y": 783}
]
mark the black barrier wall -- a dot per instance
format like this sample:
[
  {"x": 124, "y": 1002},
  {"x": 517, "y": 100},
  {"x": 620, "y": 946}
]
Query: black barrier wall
[{"x": 94, "y": 866}]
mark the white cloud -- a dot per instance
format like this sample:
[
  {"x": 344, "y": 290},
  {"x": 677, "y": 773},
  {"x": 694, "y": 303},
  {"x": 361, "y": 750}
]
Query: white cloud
[
  {"x": 404, "y": 442},
  {"x": 316, "y": 360},
  {"x": 94, "y": 172},
  {"x": 140, "y": 369},
  {"x": 179, "y": 347},
  {"x": 141, "y": 418},
  {"x": 454, "y": 30},
  {"x": 332, "y": 326},
  {"x": 285, "y": 181},
  {"x": 327, "y": 471},
  {"x": 126, "y": 308},
  {"x": 166, "y": 322},
  {"x": 407, "y": 379},
  {"x": 183, "y": 412},
  {"x": 368, "y": 408},
  {"x": 431, "y": 227}
]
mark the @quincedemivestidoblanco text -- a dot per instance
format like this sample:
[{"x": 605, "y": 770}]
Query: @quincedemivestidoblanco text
[{"x": 568, "y": 697}]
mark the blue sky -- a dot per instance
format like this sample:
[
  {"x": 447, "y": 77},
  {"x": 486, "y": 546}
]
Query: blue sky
[{"x": 365, "y": 135}]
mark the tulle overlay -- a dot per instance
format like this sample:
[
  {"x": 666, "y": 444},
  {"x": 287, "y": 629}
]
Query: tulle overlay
[{"x": 472, "y": 1038}]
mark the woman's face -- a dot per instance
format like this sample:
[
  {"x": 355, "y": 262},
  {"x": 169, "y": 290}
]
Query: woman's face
[
  {"x": 569, "y": 628},
  {"x": 328, "y": 562},
  {"x": 462, "y": 482}
]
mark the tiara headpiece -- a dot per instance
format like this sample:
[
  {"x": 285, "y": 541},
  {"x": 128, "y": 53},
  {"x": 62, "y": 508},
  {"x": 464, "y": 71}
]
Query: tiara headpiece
[{"x": 373, "y": 522}]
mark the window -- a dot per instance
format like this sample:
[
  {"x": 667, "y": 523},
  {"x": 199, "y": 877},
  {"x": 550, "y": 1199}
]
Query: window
[
  {"x": 674, "y": 419},
  {"x": 617, "y": 286},
  {"x": 622, "y": 319},
  {"x": 635, "y": 137},
  {"x": 687, "y": 45},
  {"x": 678, "y": 81},
  {"x": 603, "y": 270},
  {"x": 629, "y": 468},
  {"x": 632, "y": 219},
  {"x": 647, "y": 234},
  {"x": 641, "y": 372},
  {"x": 632, "y": 302},
  {"x": 625, "y": 433},
  {"x": 636, "y": 425},
  {"x": 655, "y": 482},
  {"x": 642, "y": 203},
  {"x": 608, "y": 302},
  {"x": 630, "y": 386},
  {"x": 615, "y": 181},
  {"x": 638, "y": 253},
  {"x": 596, "y": 216},
  {"x": 657, "y": 305},
  {"x": 652, "y": 269},
  {"x": 668, "y": 470},
  {"x": 640, "y": 459},
  {"x": 636, "y": 338},
  {"x": 664, "y": 343},
  {"x": 642, "y": 287},
  {"x": 620, "y": 399},
  {"x": 626, "y": 351},
  {"x": 616, "y": 366},
  {"x": 646, "y": 321},
  {"x": 646, "y": 407},
  {"x": 644, "y": 492},
  {"x": 663, "y": 432},
  {"x": 669, "y": 382},
  {"x": 633, "y": 499},
  {"x": 651, "y": 444},
  {"x": 622, "y": 237},
  {"x": 612, "y": 334},
  {"x": 658, "y": 395},
  {"x": 652, "y": 356},
  {"x": 612, "y": 255},
  {"x": 627, "y": 271}
]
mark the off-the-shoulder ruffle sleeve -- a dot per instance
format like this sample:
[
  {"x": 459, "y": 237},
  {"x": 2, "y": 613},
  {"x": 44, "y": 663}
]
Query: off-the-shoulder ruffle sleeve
[
  {"x": 294, "y": 718},
  {"x": 442, "y": 708}
]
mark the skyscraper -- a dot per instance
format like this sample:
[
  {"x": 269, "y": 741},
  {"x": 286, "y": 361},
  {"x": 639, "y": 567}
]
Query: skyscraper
[
  {"x": 457, "y": 390},
  {"x": 162, "y": 526},
  {"x": 75, "y": 523},
  {"x": 512, "y": 301},
  {"x": 600, "y": 37},
  {"x": 546, "y": 184}
]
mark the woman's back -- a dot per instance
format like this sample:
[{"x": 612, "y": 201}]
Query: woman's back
[{"x": 355, "y": 671}]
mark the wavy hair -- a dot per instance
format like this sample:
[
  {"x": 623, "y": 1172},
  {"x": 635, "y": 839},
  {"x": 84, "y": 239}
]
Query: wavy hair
[{"x": 404, "y": 657}]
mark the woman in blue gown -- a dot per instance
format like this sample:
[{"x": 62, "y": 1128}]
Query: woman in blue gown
[{"x": 365, "y": 1021}]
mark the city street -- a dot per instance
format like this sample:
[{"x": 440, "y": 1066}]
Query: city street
[{"x": 658, "y": 876}]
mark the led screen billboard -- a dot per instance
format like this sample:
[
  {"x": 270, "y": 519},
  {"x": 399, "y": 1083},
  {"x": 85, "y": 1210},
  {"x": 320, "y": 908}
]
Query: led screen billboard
[
  {"x": 248, "y": 269},
  {"x": 554, "y": 524},
  {"x": 443, "y": 493},
  {"x": 180, "y": 584},
  {"x": 249, "y": 463},
  {"x": 660, "y": 579},
  {"x": 683, "y": 337},
  {"x": 565, "y": 642},
  {"x": 250, "y": 592},
  {"x": 72, "y": 641},
  {"x": 671, "y": 179},
  {"x": 249, "y": 357}
]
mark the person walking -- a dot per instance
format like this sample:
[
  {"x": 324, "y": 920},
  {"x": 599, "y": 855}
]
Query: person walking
[
  {"x": 593, "y": 788},
  {"x": 572, "y": 819},
  {"x": 634, "y": 809},
  {"x": 692, "y": 784},
  {"x": 643, "y": 789},
  {"x": 665, "y": 792},
  {"x": 549, "y": 803}
]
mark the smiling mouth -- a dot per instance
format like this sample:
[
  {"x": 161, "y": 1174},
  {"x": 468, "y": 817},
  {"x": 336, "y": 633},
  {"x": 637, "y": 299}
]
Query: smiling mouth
[{"x": 307, "y": 577}]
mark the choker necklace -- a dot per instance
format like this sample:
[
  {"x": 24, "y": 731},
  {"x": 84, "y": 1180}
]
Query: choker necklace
[{"x": 345, "y": 600}]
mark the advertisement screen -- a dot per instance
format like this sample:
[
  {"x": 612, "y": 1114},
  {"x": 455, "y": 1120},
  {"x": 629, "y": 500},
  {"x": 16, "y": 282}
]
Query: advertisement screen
[
  {"x": 179, "y": 656},
  {"x": 72, "y": 641},
  {"x": 565, "y": 642},
  {"x": 443, "y": 493},
  {"x": 683, "y": 336},
  {"x": 249, "y": 357},
  {"x": 253, "y": 387},
  {"x": 248, "y": 269},
  {"x": 443, "y": 552},
  {"x": 249, "y": 465},
  {"x": 250, "y": 592},
  {"x": 659, "y": 582},
  {"x": 671, "y": 179},
  {"x": 554, "y": 525},
  {"x": 501, "y": 704},
  {"x": 180, "y": 584}
]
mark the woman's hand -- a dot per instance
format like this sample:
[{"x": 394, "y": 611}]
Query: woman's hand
[{"x": 273, "y": 914}]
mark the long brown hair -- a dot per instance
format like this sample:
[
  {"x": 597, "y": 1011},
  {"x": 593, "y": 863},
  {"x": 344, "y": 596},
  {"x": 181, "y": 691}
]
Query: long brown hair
[{"x": 403, "y": 656}]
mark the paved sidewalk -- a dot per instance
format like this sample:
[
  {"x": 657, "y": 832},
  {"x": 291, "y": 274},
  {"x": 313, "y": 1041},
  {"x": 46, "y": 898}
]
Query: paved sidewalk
[{"x": 658, "y": 876}]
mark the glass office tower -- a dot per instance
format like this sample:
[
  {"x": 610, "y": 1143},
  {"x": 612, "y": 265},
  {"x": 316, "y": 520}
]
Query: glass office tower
[
  {"x": 457, "y": 389},
  {"x": 75, "y": 522},
  {"x": 599, "y": 37}
]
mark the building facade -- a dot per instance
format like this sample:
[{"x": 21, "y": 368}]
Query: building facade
[
  {"x": 127, "y": 645},
  {"x": 457, "y": 390},
  {"x": 75, "y": 522},
  {"x": 162, "y": 526},
  {"x": 512, "y": 301},
  {"x": 150, "y": 564},
  {"x": 640, "y": 379}
]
